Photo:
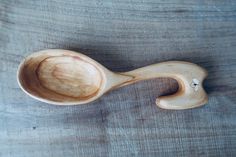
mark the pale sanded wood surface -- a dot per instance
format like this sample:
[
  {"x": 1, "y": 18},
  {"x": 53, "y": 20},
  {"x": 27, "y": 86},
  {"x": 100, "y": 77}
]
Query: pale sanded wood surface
[
  {"x": 63, "y": 77},
  {"x": 122, "y": 35}
]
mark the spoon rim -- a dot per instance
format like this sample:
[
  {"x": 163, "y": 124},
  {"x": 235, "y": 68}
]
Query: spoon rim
[{"x": 91, "y": 61}]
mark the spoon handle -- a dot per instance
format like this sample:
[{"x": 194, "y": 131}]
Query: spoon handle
[{"x": 188, "y": 75}]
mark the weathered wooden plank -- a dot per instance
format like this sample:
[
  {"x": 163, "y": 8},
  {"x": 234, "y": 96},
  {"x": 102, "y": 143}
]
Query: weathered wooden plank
[{"x": 122, "y": 35}]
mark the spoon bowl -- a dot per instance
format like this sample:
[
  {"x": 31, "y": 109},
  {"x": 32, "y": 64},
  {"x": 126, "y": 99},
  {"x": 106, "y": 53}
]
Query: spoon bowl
[
  {"x": 61, "y": 77},
  {"x": 64, "y": 77}
]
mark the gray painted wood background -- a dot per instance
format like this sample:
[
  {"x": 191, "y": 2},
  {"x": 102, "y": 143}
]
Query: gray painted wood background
[{"x": 122, "y": 35}]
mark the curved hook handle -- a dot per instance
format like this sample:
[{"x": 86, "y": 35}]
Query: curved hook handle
[{"x": 189, "y": 77}]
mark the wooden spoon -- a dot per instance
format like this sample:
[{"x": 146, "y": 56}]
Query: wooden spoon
[{"x": 65, "y": 77}]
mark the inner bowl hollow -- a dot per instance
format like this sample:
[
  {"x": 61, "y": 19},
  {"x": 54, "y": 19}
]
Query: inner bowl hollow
[{"x": 64, "y": 78}]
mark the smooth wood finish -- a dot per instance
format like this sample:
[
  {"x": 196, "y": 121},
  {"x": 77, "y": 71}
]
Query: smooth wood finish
[
  {"x": 65, "y": 77},
  {"x": 189, "y": 76}
]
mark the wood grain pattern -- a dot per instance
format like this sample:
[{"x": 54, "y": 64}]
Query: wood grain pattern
[
  {"x": 60, "y": 77},
  {"x": 64, "y": 77},
  {"x": 67, "y": 75},
  {"x": 122, "y": 35}
]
